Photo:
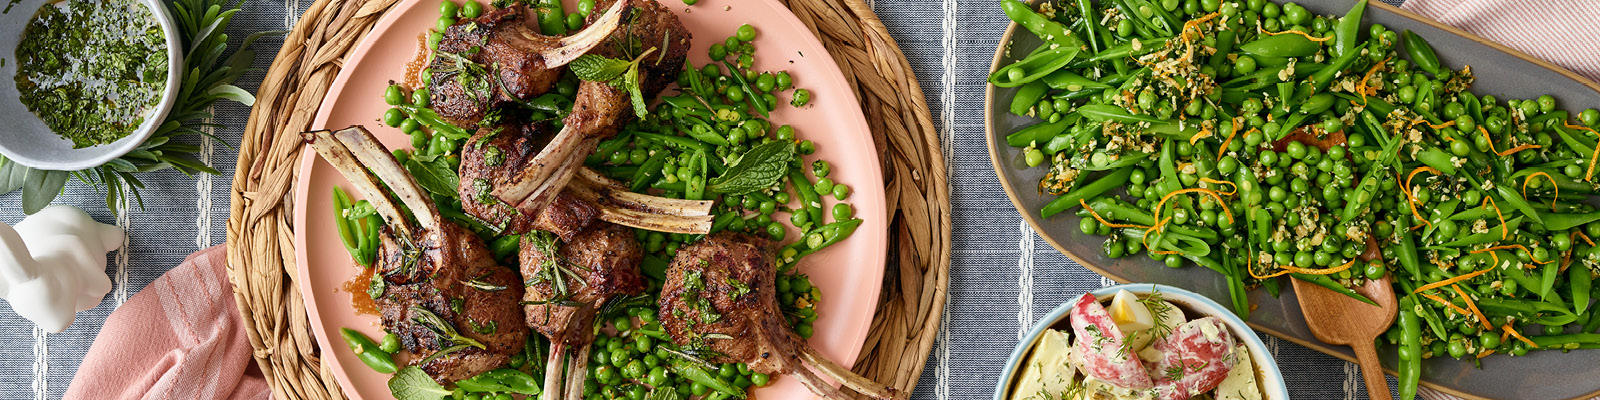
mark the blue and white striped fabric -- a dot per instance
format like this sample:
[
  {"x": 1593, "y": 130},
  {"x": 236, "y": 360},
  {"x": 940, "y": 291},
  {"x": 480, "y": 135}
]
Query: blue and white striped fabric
[{"x": 1003, "y": 276}]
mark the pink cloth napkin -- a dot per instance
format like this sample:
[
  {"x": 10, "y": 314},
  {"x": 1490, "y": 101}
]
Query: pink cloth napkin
[
  {"x": 1564, "y": 32},
  {"x": 179, "y": 338}
]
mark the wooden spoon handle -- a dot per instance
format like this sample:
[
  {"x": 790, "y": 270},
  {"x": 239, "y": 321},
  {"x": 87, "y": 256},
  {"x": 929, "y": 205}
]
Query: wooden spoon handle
[{"x": 1372, "y": 371}]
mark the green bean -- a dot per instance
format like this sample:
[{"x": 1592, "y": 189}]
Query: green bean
[
  {"x": 367, "y": 351},
  {"x": 754, "y": 96},
  {"x": 1034, "y": 134},
  {"x": 1112, "y": 180}
]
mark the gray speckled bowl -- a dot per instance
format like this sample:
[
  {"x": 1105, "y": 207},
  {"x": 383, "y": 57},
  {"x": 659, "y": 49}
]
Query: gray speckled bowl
[
  {"x": 25, "y": 138},
  {"x": 1501, "y": 71}
]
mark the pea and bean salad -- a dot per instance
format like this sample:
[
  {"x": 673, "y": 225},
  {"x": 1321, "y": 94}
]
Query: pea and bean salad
[
  {"x": 684, "y": 149},
  {"x": 1259, "y": 140}
]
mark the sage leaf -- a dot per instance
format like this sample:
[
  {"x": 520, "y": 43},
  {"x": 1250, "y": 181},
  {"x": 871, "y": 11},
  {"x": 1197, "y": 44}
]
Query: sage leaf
[
  {"x": 234, "y": 93},
  {"x": 596, "y": 68},
  {"x": 41, "y": 187},
  {"x": 413, "y": 384},
  {"x": 11, "y": 175},
  {"x": 759, "y": 168}
]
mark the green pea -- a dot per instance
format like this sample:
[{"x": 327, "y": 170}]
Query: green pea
[
  {"x": 657, "y": 377},
  {"x": 1589, "y": 117},
  {"x": 419, "y": 97},
  {"x": 635, "y": 370},
  {"x": 824, "y": 186},
  {"x": 1033, "y": 157},
  {"x": 585, "y": 7},
  {"x": 746, "y": 33},
  {"x": 807, "y": 147},
  {"x": 803, "y": 97},
  {"x": 444, "y": 23},
  {"x": 776, "y": 230},
  {"x": 805, "y": 330},
  {"x": 622, "y": 323},
  {"x": 448, "y": 8},
  {"x": 843, "y": 212},
  {"x": 841, "y": 191},
  {"x": 1547, "y": 103},
  {"x": 410, "y": 126},
  {"x": 393, "y": 117},
  {"x": 390, "y": 343},
  {"x": 574, "y": 22},
  {"x": 760, "y": 379},
  {"x": 717, "y": 51},
  {"x": 471, "y": 9},
  {"x": 393, "y": 95},
  {"x": 766, "y": 82}
]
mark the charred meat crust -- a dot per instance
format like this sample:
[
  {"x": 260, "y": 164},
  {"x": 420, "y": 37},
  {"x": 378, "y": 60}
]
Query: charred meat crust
[
  {"x": 601, "y": 262},
  {"x": 734, "y": 274}
]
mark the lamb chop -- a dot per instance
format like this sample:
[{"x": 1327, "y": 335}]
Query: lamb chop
[
  {"x": 495, "y": 155},
  {"x": 497, "y": 58},
  {"x": 444, "y": 295},
  {"x": 567, "y": 283},
  {"x": 719, "y": 299},
  {"x": 656, "y": 38}
]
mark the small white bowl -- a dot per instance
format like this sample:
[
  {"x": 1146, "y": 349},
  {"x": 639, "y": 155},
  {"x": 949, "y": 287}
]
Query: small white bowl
[
  {"x": 25, "y": 139},
  {"x": 1270, "y": 380}
]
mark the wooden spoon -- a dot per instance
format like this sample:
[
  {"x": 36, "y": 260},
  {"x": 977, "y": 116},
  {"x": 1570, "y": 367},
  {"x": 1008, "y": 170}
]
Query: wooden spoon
[{"x": 1340, "y": 320}]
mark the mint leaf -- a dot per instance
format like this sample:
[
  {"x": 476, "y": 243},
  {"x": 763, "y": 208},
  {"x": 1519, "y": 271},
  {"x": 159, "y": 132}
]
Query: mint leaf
[
  {"x": 631, "y": 82},
  {"x": 435, "y": 175},
  {"x": 759, "y": 168},
  {"x": 413, "y": 384},
  {"x": 596, "y": 68}
]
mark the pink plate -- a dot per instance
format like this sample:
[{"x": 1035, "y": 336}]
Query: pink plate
[{"x": 849, "y": 273}]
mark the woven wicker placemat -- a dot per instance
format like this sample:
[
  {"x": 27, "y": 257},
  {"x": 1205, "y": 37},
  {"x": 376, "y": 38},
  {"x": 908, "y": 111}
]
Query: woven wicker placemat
[{"x": 261, "y": 230}]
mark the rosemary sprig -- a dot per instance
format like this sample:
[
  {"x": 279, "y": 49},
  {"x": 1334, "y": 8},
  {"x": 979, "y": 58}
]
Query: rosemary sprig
[{"x": 208, "y": 77}]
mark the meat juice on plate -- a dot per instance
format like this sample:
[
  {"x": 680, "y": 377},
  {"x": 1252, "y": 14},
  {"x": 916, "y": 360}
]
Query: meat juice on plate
[{"x": 1138, "y": 347}]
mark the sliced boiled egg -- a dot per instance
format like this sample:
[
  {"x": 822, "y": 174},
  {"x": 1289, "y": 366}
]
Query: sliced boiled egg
[{"x": 1130, "y": 315}]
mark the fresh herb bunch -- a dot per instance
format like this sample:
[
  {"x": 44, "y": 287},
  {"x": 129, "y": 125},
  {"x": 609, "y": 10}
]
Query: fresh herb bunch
[
  {"x": 1260, "y": 140},
  {"x": 208, "y": 77}
]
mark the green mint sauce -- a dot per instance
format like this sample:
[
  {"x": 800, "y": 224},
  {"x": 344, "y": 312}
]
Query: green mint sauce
[{"x": 92, "y": 70}]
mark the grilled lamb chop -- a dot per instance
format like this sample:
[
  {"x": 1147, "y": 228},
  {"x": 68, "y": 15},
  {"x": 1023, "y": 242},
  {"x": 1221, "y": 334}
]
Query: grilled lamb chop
[
  {"x": 452, "y": 305},
  {"x": 567, "y": 284},
  {"x": 494, "y": 155},
  {"x": 498, "y": 58},
  {"x": 719, "y": 297},
  {"x": 653, "y": 35}
]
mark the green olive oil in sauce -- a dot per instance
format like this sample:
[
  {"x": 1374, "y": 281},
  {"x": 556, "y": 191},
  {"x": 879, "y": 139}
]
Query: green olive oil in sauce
[{"x": 92, "y": 69}]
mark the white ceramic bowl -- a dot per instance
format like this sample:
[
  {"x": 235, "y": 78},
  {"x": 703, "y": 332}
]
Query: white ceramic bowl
[
  {"x": 25, "y": 138},
  {"x": 1270, "y": 378}
]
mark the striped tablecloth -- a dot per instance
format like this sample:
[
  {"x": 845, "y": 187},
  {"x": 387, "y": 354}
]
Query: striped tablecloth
[{"x": 1003, "y": 276}]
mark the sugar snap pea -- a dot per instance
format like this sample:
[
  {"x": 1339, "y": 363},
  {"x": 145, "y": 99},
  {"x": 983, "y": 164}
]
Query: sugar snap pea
[
  {"x": 368, "y": 351},
  {"x": 1421, "y": 52}
]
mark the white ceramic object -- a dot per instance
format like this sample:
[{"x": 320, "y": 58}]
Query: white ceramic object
[
  {"x": 53, "y": 265},
  {"x": 25, "y": 138},
  {"x": 1270, "y": 378}
]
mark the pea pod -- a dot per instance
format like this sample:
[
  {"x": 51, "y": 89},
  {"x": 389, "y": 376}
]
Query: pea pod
[
  {"x": 1027, "y": 96},
  {"x": 1579, "y": 285},
  {"x": 1033, "y": 67},
  {"x": 1346, "y": 35},
  {"x": 1284, "y": 45},
  {"x": 368, "y": 351},
  {"x": 1039, "y": 133},
  {"x": 701, "y": 376},
  {"x": 552, "y": 18},
  {"x": 1067, "y": 80},
  {"x": 341, "y": 202},
  {"x": 1564, "y": 221},
  {"x": 1421, "y": 52},
  {"x": 1112, "y": 180},
  {"x": 503, "y": 380},
  {"x": 1321, "y": 79},
  {"x": 432, "y": 120},
  {"x": 1410, "y": 360},
  {"x": 1051, "y": 31}
]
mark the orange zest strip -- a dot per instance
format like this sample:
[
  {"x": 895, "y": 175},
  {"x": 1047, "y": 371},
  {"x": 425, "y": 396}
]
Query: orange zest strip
[
  {"x": 1447, "y": 124},
  {"x": 1505, "y": 230},
  {"x": 1412, "y": 200},
  {"x": 1204, "y": 133},
  {"x": 1288, "y": 269},
  {"x": 1145, "y": 240},
  {"x": 1596, "y": 156},
  {"x": 1298, "y": 32},
  {"x": 1473, "y": 306},
  {"x": 1513, "y": 150},
  {"x": 1518, "y": 335},
  {"x": 1576, "y": 234},
  {"x": 1162, "y": 204},
  {"x": 1485, "y": 353},
  {"x": 1447, "y": 303},
  {"x": 1509, "y": 247},
  {"x": 1553, "y": 184},
  {"x": 1367, "y": 76},
  {"x": 1233, "y": 130},
  {"x": 1097, "y": 217},
  {"x": 1578, "y": 127},
  {"x": 1448, "y": 282},
  {"x": 1222, "y": 182}
]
